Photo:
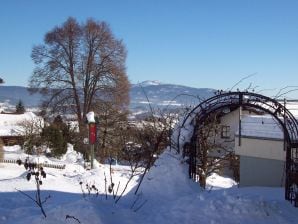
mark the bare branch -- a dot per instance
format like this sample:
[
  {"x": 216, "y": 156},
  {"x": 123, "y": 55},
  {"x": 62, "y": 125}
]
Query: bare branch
[
  {"x": 241, "y": 80},
  {"x": 72, "y": 217},
  {"x": 285, "y": 90}
]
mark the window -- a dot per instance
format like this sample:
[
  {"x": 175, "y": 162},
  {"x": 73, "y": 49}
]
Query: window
[{"x": 225, "y": 131}]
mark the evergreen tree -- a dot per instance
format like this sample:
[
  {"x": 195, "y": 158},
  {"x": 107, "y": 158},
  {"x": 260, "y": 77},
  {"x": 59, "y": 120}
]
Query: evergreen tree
[
  {"x": 20, "y": 108},
  {"x": 57, "y": 135},
  {"x": 53, "y": 136}
]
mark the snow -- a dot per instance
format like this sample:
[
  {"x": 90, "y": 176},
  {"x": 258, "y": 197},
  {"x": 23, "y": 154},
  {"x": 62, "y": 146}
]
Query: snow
[
  {"x": 292, "y": 107},
  {"x": 90, "y": 117},
  {"x": 71, "y": 156},
  {"x": 150, "y": 83},
  {"x": 264, "y": 126},
  {"x": 166, "y": 195},
  {"x": 13, "y": 119},
  {"x": 145, "y": 102},
  {"x": 10, "y": 123},
  {"x": 14, "y": 148},
  {"x": 169, "y": 103}
]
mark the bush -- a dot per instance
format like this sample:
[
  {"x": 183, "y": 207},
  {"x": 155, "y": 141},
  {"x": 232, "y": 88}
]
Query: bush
[
  {"x": 31, "y": 143},
  {"x": 55, "y": 140},
  {"x": 57, "y": 135}
]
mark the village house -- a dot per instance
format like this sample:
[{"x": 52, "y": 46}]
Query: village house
[
  {"x": 259, "y": 145},
  {"x": 13, "y": 126},
  {"x": 261, "y": 152},
  {"x": 256, "y": 138}
]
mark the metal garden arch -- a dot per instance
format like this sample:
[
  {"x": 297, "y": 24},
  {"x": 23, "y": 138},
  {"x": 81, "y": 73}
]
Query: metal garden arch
[{"x": 250, "y": 100}]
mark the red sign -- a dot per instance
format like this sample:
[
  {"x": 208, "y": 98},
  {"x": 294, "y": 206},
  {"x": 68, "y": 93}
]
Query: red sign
[{"x": 92, "y": 133}]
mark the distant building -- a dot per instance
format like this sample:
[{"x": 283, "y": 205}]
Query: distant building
[{"x": 12, "y": 129}]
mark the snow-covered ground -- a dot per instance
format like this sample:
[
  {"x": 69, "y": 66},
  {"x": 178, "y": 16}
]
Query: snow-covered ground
[{"x": 165, "y": 196}]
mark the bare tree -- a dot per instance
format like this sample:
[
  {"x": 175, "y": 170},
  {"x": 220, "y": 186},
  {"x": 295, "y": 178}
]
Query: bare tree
[
  {"x": 142, "y": 143},
  {"x": 111, "y": 122},
  {"x": 78, "y": 65},
  {"x": 30, "y": 129},
  {"x": 213, "y": 154}
]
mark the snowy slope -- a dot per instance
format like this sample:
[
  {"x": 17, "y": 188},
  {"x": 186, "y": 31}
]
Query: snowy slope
[{"x": 166, "y": 196}]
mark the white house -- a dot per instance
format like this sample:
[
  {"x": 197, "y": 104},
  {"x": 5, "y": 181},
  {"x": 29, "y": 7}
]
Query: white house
[
  {"x": 260, "y": 147},
  {"x": 261, "y": 151}
]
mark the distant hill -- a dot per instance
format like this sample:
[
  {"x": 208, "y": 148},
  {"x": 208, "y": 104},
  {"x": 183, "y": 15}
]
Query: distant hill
[
  {"x": 166, "y": 95},
  {"x": 12, "y": 94},
  {"x": 159, "y": 95}
]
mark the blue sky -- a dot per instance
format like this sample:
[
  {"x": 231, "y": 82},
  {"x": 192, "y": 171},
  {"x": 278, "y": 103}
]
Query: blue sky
[{"x": 199, "y": 43}]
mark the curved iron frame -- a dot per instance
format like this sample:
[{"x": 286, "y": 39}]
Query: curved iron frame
[{"x": 263, "y": 103}]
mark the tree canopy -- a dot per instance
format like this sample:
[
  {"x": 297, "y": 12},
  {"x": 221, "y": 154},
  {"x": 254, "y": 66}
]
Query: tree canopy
[{"x": 79, "y": 65}]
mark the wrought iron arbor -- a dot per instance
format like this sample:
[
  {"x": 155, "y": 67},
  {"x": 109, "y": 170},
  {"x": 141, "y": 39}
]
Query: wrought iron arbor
[{"x": 249, "y": 100}]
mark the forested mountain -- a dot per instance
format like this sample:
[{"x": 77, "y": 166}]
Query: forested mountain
[{"x": 158, "y": 94}]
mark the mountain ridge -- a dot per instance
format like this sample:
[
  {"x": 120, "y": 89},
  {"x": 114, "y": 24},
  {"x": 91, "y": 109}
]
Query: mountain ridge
[{"x": 159, "y": 95}]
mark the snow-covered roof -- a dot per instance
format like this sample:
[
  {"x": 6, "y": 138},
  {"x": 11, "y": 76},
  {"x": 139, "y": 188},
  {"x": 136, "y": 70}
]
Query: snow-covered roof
[
  {"x": 10, "y": 123},
  {"x": 292, "y": 107},
  {"x": 13, "y": 119},
  {"x": 264, "y": 126}
]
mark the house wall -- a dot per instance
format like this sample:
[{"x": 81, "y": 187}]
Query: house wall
[
  {"x": 262, "y": 162},
  {"x": 260, "y": 148},
  {"x": 261, "y": 159},
  {"x": 12, "y": 140},
  {"x": 230, "y": 119},
  {"x": 261, "y": 172}
]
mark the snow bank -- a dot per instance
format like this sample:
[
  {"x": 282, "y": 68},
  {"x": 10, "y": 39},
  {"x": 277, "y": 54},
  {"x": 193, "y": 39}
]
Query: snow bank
[
  {"x": 39, "y": 159},
  {"x": 14, "y": 148},
  {"x": 183, "y": 132},
  {"x": 166, "y": 196},
  {"x": 215, "y": 181},
  {"x": 167, "y": 177},
  {"x": 71, "y": 156}
]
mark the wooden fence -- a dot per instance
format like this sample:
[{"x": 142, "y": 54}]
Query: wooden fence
[{"x": 55, "y": 166}]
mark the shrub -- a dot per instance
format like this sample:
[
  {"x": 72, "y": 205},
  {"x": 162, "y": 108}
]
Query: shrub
[{"x": 53, "y": 137}]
